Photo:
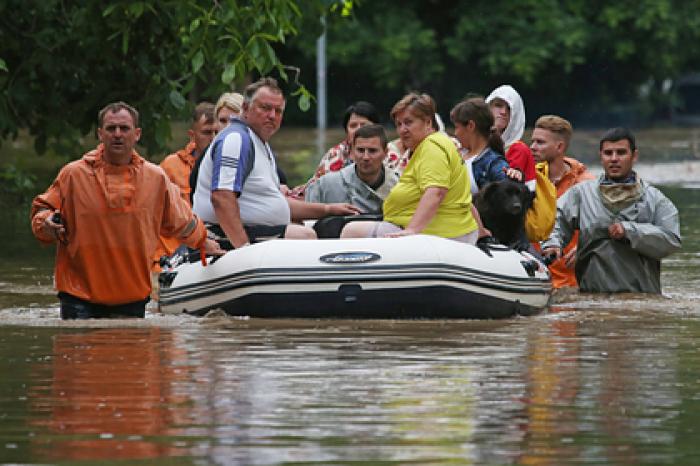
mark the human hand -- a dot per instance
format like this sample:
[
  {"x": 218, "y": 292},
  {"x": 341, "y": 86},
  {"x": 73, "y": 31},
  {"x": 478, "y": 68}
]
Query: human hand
[
  {"x": 342, "y": 209},
  {"x": 212, "y": 248},
  {"x": 53, "y": 226},
  {"x": 514, "y": 174},
  {"x": 484, "y": 232},
  {"x": 551, "y": 254},
  {"x": 616, "y": 231},
  {"x": 404, "y": 232}
]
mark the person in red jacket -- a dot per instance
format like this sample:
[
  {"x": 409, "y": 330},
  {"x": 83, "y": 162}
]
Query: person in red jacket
[
  {"x": 106, "y": 212},
  {"x": 550, "y": 141},
  {"x": 509, "y": 115}
]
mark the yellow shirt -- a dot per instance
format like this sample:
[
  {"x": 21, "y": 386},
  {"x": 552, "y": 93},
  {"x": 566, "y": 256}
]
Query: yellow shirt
[{"x": 434, "y": 163}]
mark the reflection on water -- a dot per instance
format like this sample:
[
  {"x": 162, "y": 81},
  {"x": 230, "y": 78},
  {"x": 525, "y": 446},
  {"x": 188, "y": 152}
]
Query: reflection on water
[
  {"x": 109, "y": 395},
  {"x": 570, "y": 386}
]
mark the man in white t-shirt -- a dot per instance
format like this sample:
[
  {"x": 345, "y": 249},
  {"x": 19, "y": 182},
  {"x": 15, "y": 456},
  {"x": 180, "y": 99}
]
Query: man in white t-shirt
[{"x": 238, "y": 190}]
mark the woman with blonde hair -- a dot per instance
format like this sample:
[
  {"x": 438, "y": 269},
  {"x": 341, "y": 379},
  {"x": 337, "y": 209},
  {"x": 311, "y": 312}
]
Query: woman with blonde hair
[
  {"x": 230, "y": 104},
  {"x": 433, "y": 194}
]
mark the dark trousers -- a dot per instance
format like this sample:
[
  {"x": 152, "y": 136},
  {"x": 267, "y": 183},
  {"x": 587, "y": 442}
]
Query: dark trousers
[{"x": 76, "y": 308}]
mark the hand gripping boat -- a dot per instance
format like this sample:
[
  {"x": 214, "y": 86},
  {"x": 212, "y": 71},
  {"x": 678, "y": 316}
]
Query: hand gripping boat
[{"x": 417, "y": 276}]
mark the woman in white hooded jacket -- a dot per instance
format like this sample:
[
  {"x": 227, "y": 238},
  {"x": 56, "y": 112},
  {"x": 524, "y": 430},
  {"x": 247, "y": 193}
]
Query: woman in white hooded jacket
[{"x": 509, "y": 115}]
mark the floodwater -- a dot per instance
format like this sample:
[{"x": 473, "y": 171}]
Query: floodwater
[{"x": 595, "y": 380}]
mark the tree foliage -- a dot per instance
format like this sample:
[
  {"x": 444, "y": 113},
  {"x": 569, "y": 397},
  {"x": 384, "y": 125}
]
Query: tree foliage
[
  {"x": 564, "y": 56},
  {"x": 62, "y": 61}
]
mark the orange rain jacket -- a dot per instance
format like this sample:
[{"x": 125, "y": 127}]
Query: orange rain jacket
[
  {"x": 113, "y": 217},
  {"x": 178, "y": 167},
  {"x": 562, "y": 275}
]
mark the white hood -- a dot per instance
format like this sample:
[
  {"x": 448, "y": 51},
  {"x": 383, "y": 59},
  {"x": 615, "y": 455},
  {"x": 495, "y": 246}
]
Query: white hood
[{"x": 516, "y": 126}]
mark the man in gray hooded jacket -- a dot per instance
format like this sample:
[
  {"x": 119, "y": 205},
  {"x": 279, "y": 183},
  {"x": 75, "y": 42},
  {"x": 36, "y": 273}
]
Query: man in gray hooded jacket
[
  {"x": 626, "y": 225},
  {"x": 365, "y": 183}
]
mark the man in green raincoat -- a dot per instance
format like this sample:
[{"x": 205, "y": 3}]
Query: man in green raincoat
[{"x": 626, "y": 225}]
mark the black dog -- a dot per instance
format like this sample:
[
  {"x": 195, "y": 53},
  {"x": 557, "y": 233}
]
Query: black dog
[{"x": 502, "y": 206}]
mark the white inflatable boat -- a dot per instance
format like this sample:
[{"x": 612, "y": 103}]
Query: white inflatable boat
[{"x": 415, "y": 277}]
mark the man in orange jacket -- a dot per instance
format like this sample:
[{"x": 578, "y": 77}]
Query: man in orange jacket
[
  {"x": 550, "y": 140},
  {"x": 178, "y": 165},
  {"x": 106, "y": 212}
]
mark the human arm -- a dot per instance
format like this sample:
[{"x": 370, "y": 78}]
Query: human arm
[
  {"x": 301, "y": 210},
  {"x": 565, "y": 224},
  {"x": 483, "y": 231},
  {"x": 425, "y": 211},
  {"x": 180, "y": 222},
  {"x": 661, "y": 236},
  {"x": 498, "y": 169},
  {"x": 228, "y": 214},
  {"x": 44, "y": 206},
  {"x": 313, "y": 192}
]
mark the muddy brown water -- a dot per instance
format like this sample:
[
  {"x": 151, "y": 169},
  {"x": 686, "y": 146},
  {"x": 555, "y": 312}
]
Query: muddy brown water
[{"x": 594, "y": 380}]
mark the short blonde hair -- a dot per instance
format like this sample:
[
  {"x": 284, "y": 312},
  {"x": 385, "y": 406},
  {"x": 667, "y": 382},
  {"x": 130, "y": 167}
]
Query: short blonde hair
[
  {"x": 232, "y": 100},
  {"x": 557, "y": 125}
]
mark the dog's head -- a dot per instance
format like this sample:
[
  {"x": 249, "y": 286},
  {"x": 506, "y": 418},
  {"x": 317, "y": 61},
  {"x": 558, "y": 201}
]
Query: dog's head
[{"x": 507, "y": 197}]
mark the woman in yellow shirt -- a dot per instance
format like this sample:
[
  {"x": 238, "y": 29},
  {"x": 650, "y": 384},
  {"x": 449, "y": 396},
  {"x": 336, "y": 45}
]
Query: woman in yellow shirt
[{"x": 433, "y": 194}]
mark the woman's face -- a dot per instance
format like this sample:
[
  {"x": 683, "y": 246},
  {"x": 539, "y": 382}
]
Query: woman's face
[
  {"x": 412, "y": 129},
  {"x": 354, "y": 123},
  {"x": 501, "y": 114},
  {"x": 223, "y": 117},
  {"x": 463, "y": 133}
]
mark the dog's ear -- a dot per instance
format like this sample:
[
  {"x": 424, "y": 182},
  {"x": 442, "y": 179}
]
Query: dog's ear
[{"x": 487, "y": 192}]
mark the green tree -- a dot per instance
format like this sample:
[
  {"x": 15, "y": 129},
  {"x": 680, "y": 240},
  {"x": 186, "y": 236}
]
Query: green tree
[
  {"x": 62, "y": 61},
  {"x": 579, "y": 58}
]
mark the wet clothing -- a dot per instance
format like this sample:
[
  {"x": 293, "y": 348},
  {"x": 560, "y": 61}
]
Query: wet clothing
[
  {"x": 520, "y": 156},
  {"x": 434, "y": 163},
  {"x": 603, "y": 264},
  {"x": 178, "y": 167},
  {"x": 562, "y": 275},
  {"x": 346, "y": 186},
  {"x": 486, "y": 167},
  {"x": 239, "y": 161},
  {"x": 256, "y": 234},
  {"x": 113, "y": 216},
  {"x": 75, "y": 308},
  {"x": 516, "y": 125}
]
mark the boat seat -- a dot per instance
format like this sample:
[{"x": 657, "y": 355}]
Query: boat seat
[{"x": 331, "y": 226}]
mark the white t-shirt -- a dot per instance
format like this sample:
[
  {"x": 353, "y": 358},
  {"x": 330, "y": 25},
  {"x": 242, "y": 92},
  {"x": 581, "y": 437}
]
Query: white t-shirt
[{"x": 230, "y": 164}]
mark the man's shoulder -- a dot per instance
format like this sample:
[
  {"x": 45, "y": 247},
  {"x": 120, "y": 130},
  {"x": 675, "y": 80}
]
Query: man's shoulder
[
  {"x": 334, "y": 178},
  {"x": 76, "y": 167},
  {"x": 652, "y": 190},
  {"x": 171, "y": 159}
]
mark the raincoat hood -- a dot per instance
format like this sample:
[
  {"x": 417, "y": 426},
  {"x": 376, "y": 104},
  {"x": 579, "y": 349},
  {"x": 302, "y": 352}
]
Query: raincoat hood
[{"x": 516, "y": 125}]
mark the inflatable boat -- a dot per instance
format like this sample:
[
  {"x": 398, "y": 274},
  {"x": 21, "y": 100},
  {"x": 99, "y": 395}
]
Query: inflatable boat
[{"x": 417, "y": 276}]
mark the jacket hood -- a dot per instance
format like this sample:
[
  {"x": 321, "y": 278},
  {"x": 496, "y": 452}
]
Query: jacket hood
[{"x": 516, "y": 126}]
